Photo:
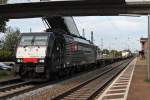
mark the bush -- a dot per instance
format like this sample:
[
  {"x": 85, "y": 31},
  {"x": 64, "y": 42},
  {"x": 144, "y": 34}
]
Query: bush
[
  {"x": 3, "y": 73},
  {"x": 6, "y": 74},
  {"x": 6, "y": 55}
]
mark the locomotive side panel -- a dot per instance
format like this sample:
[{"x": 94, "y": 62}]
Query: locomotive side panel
[{"x": 79, "y": 51}]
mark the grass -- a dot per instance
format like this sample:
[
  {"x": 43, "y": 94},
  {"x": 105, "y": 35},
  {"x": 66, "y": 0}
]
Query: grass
[
  {"x": 147, "y": 80},
  {"x": 5, "y": 74}
]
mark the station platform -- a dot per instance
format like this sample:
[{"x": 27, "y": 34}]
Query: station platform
[
  {"x": 131, "y": 84},
  {"x": 139, "y": 87}
]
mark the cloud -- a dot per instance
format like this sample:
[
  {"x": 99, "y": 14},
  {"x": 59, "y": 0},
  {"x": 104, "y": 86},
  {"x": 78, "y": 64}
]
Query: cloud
[
  {"x": 110, "y": 28},
  {"x": 102, "y": 24},
  {"x": 25, "y": 25}
]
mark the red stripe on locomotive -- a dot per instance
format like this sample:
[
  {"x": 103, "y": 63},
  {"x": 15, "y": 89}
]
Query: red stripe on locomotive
[{"x": 30, "y": 60}]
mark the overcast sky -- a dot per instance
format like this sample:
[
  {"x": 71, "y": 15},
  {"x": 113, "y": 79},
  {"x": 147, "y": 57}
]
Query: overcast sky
[{"x": 118, "y": 32}]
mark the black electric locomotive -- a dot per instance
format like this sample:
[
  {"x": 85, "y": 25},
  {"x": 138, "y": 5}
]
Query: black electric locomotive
[{"x": 39, "y": 56}]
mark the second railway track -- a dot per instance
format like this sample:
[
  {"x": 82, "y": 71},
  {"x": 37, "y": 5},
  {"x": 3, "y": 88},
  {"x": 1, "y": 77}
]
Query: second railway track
[{"x": 89, "y": 89}]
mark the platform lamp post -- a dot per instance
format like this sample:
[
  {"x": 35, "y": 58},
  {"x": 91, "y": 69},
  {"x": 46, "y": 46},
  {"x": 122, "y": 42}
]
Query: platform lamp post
[
  {"x": 148, "y": 67},
  {"x": 102, "y": 47}
]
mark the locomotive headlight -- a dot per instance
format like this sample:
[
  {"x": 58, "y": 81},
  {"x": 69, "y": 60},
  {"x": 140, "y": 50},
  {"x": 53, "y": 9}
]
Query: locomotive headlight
[
  {"x": 18, "y": 60},
  {"x": 41, "y": 60}
]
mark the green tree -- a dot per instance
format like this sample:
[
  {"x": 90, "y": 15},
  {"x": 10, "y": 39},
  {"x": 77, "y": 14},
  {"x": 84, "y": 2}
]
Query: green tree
[
  {"x": 3, "y": 20},
  {"x": 3, "y": 1},
  {"x": 118, "y": 54},
  {"x": 11, "y": 39},
  {"x": 115, "y": 53},
  {"x": 105, "y": 51},
  {"x": 3, "y": 24},
  {"x": 98, "y": 50}
]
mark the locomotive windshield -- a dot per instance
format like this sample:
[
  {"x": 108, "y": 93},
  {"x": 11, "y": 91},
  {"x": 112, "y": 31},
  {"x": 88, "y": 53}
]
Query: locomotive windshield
[
  {"x": 32, "y": 45},
  {"x": 34, "y": 40}
]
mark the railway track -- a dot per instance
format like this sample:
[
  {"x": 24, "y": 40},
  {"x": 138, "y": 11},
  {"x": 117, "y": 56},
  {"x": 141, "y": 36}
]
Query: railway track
[
  {"x": 10, "y": 81},
  {"x": 20, "y": 88},
  {"x": 15, "y": 89},
  {"x": 12, "y": 90},
  {"x": 89, "y": 89}
]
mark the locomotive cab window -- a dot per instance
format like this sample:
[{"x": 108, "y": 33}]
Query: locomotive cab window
[
  {"x": 34, "y": 40},
  {"x": 26, "y": 40},
  {"x": 40, "y": 40}
]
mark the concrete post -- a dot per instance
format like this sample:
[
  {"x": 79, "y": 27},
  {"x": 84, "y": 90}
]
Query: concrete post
[
  {"x": 148, "y": 67},
  {"x": 92, "y": 38}
]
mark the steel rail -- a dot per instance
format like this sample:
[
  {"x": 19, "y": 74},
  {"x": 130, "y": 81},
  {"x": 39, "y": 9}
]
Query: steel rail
[
  {"x": 9, "y": 88},
  {"x": 31, "y": 86},
  {"x": 10, "y": 81},
  {"x": 103, "y": 85}
]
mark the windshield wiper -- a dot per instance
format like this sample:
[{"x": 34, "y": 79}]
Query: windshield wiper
[{"x": 25, "y": 46}]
